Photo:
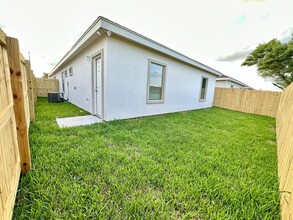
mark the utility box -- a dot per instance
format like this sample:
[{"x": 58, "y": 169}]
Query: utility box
[{"x": 55, "y": 97}]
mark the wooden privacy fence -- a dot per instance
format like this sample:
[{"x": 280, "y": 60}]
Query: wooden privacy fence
[
  {"x": 16, "y": 111},
  {"x": 285, "y": 151},
  {"x": 249, "y": 101},
  {"x": 46, "y": 85},
  {"x": 275, "y": 104}
]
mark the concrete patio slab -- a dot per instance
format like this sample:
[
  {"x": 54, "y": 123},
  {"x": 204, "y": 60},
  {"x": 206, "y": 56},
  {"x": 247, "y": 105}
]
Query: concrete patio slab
[{"x": 77, "y": 121}]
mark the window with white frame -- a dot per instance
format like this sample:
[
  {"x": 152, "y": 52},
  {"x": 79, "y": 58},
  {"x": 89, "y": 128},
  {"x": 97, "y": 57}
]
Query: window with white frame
[
  {"x": 70, "y": 70},
  {"x": 156, "y": 82},
  {"x": 203, "y": 89},
  {"x": 65, "y": 73}
]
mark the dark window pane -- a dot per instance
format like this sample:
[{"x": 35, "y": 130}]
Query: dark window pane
[
  {"x": 203, "y": 85},
  {"x": 203, "y": 88}
]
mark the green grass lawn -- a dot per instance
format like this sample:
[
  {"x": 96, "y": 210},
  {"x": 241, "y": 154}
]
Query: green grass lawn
[{"x": 203, "y": 164}]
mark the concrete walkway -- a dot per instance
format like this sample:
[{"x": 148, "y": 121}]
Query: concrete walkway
[{"x": 77, "y": 121}]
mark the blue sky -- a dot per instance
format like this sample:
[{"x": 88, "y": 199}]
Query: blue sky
[{"x": 217, "y": 33}]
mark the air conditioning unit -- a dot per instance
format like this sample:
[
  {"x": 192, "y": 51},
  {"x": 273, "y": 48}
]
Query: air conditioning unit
[{"x": 55, "y": 97}]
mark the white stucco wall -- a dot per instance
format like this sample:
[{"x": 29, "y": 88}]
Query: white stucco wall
[
  {"x": 221, "y": 84},
  {"x": 234, "y": 85},
  {"x": 80, "y": 84},
  {"x": 127, "y": 72}
]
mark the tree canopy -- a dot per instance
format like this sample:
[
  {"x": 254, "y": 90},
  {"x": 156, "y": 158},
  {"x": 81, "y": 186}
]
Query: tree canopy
[
  {"x": 45, "y": 75},
  {"x": 274, "y": 61}
]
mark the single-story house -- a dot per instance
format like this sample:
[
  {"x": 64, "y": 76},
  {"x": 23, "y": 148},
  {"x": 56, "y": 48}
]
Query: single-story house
[
  {"x": 229, "y": 82},
  {"x": 116, "y": 73}
]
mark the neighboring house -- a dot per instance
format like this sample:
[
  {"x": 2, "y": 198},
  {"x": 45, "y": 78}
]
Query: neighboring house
[
  {"x": 229, "y": 82},
  {"x": 116, "y": 73}
]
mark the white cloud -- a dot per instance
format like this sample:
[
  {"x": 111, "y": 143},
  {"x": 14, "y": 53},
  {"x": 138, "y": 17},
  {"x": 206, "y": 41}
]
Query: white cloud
[
  {"x": 241, "y": 19},
  {"x": 236, "y": 55},
  {"x": 246, "y": 1},
  {"x": 287, "y": 35},
  {"x": 203, "y": 30},
  {"x": 241, "y": 54}
]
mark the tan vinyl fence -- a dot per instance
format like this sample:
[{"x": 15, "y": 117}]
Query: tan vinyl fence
[
  {"x": 46, "y": 85},
  {"x": 16, "y": 112},
  {"x": 285, "y": 152},
  {"x": 249, "y": 101}
]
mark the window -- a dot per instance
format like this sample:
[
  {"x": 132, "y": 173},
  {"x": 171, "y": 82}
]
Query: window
[
  {"x": 65, "y": 73},
  {"x": 203, "y": 89},
  {"x": 231, "y": 86},
  {"x": 156, "y": 81},
  {"x": 70, "y": 71}
]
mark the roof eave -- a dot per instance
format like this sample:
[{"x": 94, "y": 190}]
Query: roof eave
[
  {"x": 140, "y": 39},
  {"x": 124, "y": 32}
]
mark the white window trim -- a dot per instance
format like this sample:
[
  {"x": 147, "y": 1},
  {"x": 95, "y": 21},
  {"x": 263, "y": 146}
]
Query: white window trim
[
  {"x": 162, "y": 100},
  {"x": 65, "y": 73},
  {"x": 206, "y": 89}
]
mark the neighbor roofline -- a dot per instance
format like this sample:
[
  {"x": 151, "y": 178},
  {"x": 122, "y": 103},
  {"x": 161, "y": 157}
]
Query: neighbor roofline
[
  {"x": 131, "y": 35},
  {"x": 232, "y": 80}
]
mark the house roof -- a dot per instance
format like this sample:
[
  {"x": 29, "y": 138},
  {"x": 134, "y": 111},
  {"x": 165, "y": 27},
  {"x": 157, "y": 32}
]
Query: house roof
[
  {"x": 103, "y": 25},
  {"x": 228, "y": 78}
]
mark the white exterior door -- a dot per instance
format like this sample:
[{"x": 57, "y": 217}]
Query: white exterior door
[{"x": 98, "y": 85}]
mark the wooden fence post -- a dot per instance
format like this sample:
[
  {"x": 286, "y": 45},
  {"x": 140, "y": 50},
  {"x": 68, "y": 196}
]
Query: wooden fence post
[
  {"x": 19, "y": 102},
  {"x": 30, "y": 90}
]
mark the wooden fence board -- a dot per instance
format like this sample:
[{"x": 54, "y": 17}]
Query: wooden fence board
[
  {"x": 30, "y": 90},
  {"x": 249, "y": 101},
  {"x": 18, "y": 85},
  {"x": 284, "y": 132},
  {"x": 44, "y": 86},
  {"x": 25, "y": 91},
  {"x": 34, "y": 83},
  {"x": 9, "y": 153}
]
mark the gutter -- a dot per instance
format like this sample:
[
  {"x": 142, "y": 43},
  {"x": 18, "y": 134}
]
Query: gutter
[{"x": 232, "y": 80}]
